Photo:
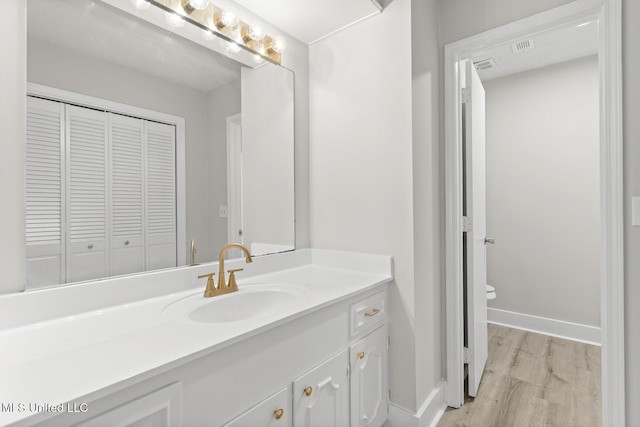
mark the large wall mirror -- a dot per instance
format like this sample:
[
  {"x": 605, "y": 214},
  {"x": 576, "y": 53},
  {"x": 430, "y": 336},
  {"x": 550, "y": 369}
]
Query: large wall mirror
[{"x": 140, "y": 142}]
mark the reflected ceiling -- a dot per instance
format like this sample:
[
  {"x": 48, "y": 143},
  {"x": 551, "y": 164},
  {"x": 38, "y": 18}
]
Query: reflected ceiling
[{"x": 98, "y": 30}]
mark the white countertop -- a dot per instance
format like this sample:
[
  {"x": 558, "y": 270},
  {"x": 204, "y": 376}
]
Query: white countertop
[{"x": 61, "y": 359}]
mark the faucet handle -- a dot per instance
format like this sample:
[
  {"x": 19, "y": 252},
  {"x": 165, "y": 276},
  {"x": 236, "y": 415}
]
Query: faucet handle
[
  {"x": 232, "y": 277},
  {"x": 209, "y": 290}
]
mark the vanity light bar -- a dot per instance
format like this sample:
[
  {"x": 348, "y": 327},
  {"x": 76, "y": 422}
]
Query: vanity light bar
[{"x": 238, "y": 32}]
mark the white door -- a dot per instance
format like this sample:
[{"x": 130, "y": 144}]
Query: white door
[
  {"x": 45, "y": 186},
  {"x": 127, "y": 189},
  {"x": 87, "y": 189},
  {"x": 476, "y": 266},
  {"x": 160, "y": 206}
]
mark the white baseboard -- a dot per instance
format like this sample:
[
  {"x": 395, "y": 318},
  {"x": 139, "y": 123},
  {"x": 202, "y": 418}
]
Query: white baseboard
[
  {"x": 543, "y": 325},
  {"x": 427, "y": 416}
]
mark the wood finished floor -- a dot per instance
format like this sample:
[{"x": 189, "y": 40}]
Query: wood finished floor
[{"x": 533, "y": 380}]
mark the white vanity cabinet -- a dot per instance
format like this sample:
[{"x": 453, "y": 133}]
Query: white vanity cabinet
[{"x": 323, "y": 368}]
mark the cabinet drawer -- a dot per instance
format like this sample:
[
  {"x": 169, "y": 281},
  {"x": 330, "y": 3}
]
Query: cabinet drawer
[
  {"x": 274, "y": 411},
  {"x": 367, "y": 314}
]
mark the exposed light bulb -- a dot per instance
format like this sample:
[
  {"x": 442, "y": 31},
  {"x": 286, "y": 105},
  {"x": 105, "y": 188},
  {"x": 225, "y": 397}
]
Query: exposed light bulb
[
  {"x": 140, "y": 4},
  {"x": 277, "y": 44},
  {"x": 226, "y": 19},
  {"x": 174, "y": 20},
  {"x": 253, "y": 33}
]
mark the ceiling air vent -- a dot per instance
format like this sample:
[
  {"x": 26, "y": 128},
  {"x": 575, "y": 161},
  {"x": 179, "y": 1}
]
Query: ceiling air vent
[
  {"x": 523, "y": 45},
  {"x": 485, "y": 64}
]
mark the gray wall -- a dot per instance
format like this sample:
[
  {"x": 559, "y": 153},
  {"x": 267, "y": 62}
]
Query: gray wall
[
  {"x": 361, "y": 162},
  {"x": 375, "y": 175},
  {"x": 542, "y": 181}
]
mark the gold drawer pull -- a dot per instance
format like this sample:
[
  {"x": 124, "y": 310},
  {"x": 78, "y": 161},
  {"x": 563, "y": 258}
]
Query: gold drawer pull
[
  {"x": 278, "y": 413},
  {"x": 372, "y": 312},
  {"x": 308, "y": 391},
  {"x": 361, "y": 355}
]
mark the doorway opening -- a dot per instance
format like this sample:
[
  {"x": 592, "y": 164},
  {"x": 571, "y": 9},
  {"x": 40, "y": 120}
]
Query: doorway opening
[{"x": 607, "y": 14}]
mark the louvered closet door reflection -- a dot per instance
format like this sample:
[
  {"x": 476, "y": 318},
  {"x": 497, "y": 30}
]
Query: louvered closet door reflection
[
  {"x": 44, "y": 193},
  {"x": 127, "y": 186},
  {"x": 87, "y": 252},
  {"x": 161, "y": 196}
]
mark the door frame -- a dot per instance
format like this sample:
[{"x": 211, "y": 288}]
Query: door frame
[{"x": 608, "y": 13}]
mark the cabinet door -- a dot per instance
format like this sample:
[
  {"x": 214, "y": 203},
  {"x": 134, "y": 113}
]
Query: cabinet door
[
  {"x": 274, "y": 411},
  {"x": 369, "y": 380},
  {"x": 127, "y": 194},
  {"x": 321, "y": 396},
  {"x": 86, "y": 194},
  {"x": 44, "y": 208}
]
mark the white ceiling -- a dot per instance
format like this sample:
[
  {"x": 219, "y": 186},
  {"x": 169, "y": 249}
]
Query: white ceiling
[
  {"x": 550, "y": 47},
  {"x": 311, "y": 20}
]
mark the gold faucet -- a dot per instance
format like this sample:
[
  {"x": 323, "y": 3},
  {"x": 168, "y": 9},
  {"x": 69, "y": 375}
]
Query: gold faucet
[
  {"x": 223, "y": 288},
  {"x": 232, "y": 278}
]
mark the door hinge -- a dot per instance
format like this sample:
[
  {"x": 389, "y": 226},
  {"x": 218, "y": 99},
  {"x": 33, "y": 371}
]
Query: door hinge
[
  {"x": 388, "y": 342},
  {"x": 466, "y": 95},
  {"x": 466, "y": 224},
  {"x": 348, "y": 372},
  {"x": 467, "y": 355}
]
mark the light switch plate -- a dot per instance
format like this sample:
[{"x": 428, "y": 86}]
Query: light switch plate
[
  {"x": 223, "y": 211},
  {"x": 635, "y": 211}
]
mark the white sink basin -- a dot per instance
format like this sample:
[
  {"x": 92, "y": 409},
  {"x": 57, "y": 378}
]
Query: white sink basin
[{"x": 249, "y": 302}]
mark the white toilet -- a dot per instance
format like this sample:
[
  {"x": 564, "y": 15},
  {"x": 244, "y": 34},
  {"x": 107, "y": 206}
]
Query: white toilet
[{"x": 491, "y": 292}]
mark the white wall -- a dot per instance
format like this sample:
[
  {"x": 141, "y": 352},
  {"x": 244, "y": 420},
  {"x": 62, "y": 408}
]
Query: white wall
[
  {"x": 428, "y": 200},
  {"x": 13, "y": 20},
  {"x": 375, "y": 173},
  {"x": 361, "y": 162},
  {"x": 543, "y": 204}
]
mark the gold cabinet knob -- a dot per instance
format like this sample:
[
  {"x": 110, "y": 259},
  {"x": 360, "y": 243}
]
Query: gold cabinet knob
[
  {"x": 308, "y": 391},
  {"x": 278, "y": 413},
  {"x": 361, "y": 355}
]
